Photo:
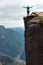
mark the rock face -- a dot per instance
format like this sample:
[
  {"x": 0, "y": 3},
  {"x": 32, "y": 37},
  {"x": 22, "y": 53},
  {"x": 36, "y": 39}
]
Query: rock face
[{"x": 33, "y": 41}]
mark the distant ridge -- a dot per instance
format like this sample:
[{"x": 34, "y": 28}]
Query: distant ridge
[{"x": 11, "y": 41}]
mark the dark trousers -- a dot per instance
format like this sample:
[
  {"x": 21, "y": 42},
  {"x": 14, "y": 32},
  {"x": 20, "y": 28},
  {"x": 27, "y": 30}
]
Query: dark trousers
[{"x": 27, "y": 12}]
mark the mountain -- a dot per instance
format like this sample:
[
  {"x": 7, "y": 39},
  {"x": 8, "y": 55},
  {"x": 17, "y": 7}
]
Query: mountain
[
  {"x": 12, "y": 42},
  {"x": 23, "y": 56},
  {"x": 7, "y": 60}
]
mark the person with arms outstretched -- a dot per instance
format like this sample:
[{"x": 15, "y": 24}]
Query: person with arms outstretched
[{"x": 28, "y": 9}]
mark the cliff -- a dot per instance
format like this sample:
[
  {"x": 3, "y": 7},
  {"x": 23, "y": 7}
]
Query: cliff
[{"x": 33, "y": 40}]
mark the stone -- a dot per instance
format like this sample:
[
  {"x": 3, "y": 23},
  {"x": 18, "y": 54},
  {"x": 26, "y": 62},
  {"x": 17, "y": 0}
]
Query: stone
[{"x": 33, "y": 41}]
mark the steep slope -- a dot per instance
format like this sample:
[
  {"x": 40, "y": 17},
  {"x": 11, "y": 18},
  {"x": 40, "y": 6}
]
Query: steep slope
[
  {"x": 11, "y": 41},
  {"x": 7, "y": 60}
]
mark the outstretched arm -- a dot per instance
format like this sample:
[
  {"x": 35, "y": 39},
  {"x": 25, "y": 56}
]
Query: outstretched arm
[{"x": 31, "y": 7}]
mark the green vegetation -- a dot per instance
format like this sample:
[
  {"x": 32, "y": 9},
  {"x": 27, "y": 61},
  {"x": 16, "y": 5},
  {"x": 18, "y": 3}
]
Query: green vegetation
[
  {"x": 41, "y": 21},
  {"x": 40, "y": 17},
  {"x": 11, "y": 45},
  {"x": 11, "y": 41},
  {"x": 13, "y": 63}
]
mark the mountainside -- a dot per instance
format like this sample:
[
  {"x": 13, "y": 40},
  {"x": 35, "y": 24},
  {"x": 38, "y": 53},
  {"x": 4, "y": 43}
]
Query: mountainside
[
  {"x": 7, "y": 60},
  {"x": 12, "y": 41}
]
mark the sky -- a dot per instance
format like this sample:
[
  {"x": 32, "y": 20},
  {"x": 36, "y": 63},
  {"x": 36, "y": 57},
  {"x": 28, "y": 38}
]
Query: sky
[{"x": 12, "y": 11}]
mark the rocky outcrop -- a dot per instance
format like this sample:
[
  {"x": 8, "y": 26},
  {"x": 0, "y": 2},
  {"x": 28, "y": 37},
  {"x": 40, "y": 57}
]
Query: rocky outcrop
[{"x": 33, "y": 41}]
